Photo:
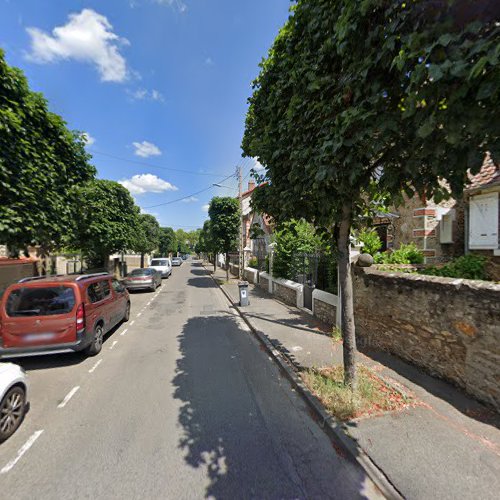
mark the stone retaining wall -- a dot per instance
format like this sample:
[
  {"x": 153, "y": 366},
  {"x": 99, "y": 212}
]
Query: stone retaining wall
[
  {"x": 286, "y": 294},
  {"x": 448, "y": 326},
  {"x": 264, "y": 283},
  {"x": 325, "y": 312}
]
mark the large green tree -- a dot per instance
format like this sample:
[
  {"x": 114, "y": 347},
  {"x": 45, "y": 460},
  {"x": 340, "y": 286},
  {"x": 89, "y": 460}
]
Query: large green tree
[
  {"x": 206, "y": 243},
  {"x": 372, "y": 95},
  {"x": 40, "y": 161},
  {"x": 108, "y": 221},
  {"x": 147, "y": 238},
  {"x": 168, "y": 241},
  {"x": 224, "y": 213}
]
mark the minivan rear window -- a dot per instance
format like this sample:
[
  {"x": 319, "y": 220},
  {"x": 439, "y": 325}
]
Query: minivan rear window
[
  {"x": 159, "y": 262},
  {"x": 38, "y": 301}
]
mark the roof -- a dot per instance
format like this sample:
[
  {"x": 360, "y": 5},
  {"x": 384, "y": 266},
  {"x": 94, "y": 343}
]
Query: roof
[
  {"x": 65, "y": 278},
  {"x": 488, "y": 176}
]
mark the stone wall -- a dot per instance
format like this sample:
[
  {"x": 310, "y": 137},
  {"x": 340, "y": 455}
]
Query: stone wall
[
  {"x": 327, "y": 313},
  {"x": 264, "y": 283},
  {"x": 449, "y": 327},
  {"x": 284, "y": 293}
]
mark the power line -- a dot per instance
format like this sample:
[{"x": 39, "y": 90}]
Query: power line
[
  {"x": 189, "y": 195},
  {"x": 138, "y": 162}
]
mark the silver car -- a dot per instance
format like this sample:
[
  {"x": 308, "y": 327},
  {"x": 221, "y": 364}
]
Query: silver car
[
  {"x": 176, "y": 261},
  {"x": 141, "y": 279}
]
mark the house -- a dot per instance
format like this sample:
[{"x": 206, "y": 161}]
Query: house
[{"x": 451, "y": 228}]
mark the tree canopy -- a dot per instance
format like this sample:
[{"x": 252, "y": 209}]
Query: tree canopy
[
  {"x": 147, "y": 238},
  {"x": 375, "y": 95},
  {"x": 168, "y": 241},
  {"x": 108, "y": 220},
  {"x": 40, "y": 161},
  {"x": 224, "y": 213}
]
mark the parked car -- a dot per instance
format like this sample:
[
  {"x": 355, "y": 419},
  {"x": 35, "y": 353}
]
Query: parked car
[
  {"x": 56, "y": 314},
  {"x": 185, "y": 256},
  {"x": 13, "y": 398},
  {"x": 140, "y": 279},
  {"x": 163, "y": 265},
  {"x": 176, "y": 261}
]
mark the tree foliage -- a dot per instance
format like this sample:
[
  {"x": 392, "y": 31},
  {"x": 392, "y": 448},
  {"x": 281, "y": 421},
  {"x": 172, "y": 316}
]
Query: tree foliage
[
  {"x": 168, "y": 241},
  {"x": 40, "y": 161},
  {"x": 108, "y": 220},
  {"x": 374, "y": 94},
  {"x": 147, "y": 238}
]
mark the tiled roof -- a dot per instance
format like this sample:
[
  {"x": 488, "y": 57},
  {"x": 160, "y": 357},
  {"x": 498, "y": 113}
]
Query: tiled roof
[{"x": 489, "y": 175}]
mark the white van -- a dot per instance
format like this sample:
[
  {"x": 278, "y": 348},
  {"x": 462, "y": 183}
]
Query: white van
[{"x": 163, "y": 265}]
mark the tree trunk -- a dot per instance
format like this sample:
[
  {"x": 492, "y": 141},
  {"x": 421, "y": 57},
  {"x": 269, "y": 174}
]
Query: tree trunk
[
  {"x": 346, "y": 297},
  {"x": 215, "y": 262},
  {"x": 142, "y": 260},
  {"x": 227, "y": 266}
]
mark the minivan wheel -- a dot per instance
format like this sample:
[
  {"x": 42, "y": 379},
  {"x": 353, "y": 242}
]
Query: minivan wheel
[
  {"x": 12, "y": 410},
  {"x": 126, "y": 317},
  {"x": 96, "y": 345}
]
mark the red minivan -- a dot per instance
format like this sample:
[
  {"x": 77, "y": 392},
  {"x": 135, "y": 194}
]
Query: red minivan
[{"x": 53, "y": 314}]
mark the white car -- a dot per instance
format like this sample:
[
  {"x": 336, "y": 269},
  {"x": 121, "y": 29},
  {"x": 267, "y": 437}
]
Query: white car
[
  {"x": 13, "y": 398},
  {"x": 163, "y": 265}
]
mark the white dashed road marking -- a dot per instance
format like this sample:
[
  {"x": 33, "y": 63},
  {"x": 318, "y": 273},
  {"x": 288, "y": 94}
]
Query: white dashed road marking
[
  {"x": 26, "y": 446},
  {"x": 70, "y": 394},
  {"x": 95, "y": 366},
  {"x": 132, "y": 322},
  {"x": 139, "y": 314},
  {"x": 124, "y": 332},
  {"x": 113, "y": 344}
]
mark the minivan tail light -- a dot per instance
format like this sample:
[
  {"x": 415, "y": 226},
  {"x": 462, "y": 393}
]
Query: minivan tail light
[{"x": 80, "y": 317}]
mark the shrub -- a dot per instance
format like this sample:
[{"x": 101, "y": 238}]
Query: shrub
[
  {"x": 405, "y": 254},
  {"x": 253, "y": 262},
  {"x": 472, "y": 267},
  {"x": 371, "y": 241}
]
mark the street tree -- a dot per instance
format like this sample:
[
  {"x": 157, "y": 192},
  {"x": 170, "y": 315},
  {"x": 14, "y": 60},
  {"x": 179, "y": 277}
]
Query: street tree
[
  {"x": 108, "y": 221},
  {"x": 224, "y": 213},
  {"x": 40, "y": 161},
  {"x": 147, "y": 238},
  {"x": 206, "y": 243},
  {"x": 376, "y": 95},
  {"x": 168, "y": 241}
]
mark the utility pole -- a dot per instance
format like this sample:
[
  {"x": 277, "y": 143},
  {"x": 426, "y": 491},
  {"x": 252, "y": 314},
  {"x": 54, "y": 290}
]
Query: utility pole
[{"x": 242, "y": 229}]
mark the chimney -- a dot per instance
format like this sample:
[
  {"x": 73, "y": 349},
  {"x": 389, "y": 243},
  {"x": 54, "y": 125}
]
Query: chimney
[{"x": 251, "y": 185}]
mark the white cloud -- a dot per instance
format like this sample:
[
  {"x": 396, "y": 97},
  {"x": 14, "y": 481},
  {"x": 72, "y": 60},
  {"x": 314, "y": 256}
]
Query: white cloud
[
  {"x": 204, "y": 208},
  {"x": 257, "y": 165},
  {"x": 178, "y": 4},
  {"x": 154, "y": 214},
  {"x": 147, "y": 183},
  {"x": 89, "y": 140},
  {"x": 144, "y": 94},
  {"x": 191, "y": 199},
  {"x": 146, "y": 149},
  {"x": 86, "y": 37}
]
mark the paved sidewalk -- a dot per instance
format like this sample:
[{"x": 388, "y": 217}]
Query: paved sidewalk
[{"x": 446, "y": 446}]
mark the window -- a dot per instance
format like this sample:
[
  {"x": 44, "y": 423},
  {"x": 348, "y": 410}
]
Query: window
[
  {"x": 38, "y": 301},
  {"x": 483, "y": 221},
  {"x": 159, "y": 262},
  {"x": 117, "y": 286},
  {"x": 98, "y": 291},
  {"x": 446, "y": 228}
]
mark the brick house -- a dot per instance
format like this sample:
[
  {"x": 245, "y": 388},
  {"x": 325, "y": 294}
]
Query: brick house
[{"x": 452, "y": 227}]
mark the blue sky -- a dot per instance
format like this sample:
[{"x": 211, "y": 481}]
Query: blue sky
[{"x": 153, "y": 82}]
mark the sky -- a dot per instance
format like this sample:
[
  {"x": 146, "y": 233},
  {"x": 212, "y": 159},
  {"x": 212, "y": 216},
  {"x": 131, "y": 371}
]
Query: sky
[{"x": 159, "y": 87}]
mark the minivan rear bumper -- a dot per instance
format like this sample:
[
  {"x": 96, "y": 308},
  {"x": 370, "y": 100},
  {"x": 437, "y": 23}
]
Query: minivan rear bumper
[{"x": 83, "y": 340}]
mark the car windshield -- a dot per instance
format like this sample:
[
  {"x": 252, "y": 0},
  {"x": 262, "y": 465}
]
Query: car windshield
[
  {"x": 159, "y": 262},
  {"x": 37, "y": 301},
  {"x": 142, "y": 272}
]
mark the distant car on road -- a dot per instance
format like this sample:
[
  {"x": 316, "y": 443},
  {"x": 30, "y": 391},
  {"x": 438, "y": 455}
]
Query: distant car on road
[
  {"x": 163, "y": 265},
  {"x": 13, "y": 398},
  {"x": 140, "y": 279},
  {"x": 185, "y": 256},
  {"x": 176, "y": 261},
  {"x": 54, "y": 314}
]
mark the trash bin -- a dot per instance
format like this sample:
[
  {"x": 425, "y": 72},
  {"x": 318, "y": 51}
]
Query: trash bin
[{"x": 243, "y": 288}]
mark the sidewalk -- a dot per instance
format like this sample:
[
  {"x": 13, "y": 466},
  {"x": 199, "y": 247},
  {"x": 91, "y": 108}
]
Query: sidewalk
[{"x": 445, "y": 446}]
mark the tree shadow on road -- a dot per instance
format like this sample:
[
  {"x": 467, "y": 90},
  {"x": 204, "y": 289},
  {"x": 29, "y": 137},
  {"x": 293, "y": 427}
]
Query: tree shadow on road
[{"x": 227, "y": 430}]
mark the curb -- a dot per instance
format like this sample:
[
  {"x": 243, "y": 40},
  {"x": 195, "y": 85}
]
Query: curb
[{"x": 342, "y": 443}]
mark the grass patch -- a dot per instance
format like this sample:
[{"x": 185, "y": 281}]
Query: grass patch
[
  {"x": 372, "y": 396},
  {"x": 336, "y": 334}
]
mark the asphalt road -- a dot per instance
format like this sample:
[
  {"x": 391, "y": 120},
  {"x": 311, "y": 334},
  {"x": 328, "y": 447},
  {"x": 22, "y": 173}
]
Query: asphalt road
[{"x": 182, "y": 402}]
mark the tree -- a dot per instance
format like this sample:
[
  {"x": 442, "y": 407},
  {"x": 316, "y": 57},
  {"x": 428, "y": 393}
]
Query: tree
[
  {"x": 147, "y": 236},
  {"x": 168, "y": 241},
  {"x": 372, "y": 96},
  {"x": 206, "y": 242},
  {"x": 108, "y": 221},
  {"x": 40, "y": 161},
  {"x": 224, "y": 215}
]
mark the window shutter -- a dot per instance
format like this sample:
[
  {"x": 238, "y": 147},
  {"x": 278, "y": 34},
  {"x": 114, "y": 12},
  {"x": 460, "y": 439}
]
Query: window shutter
[{"x": 483, "y": 221}]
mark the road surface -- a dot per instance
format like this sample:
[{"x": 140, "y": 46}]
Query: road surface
[{"x": 182, "y": 402}]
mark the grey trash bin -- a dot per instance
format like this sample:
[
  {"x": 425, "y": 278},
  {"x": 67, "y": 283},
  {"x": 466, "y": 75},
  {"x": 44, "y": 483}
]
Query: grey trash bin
[{"x": 243, "y": 288}]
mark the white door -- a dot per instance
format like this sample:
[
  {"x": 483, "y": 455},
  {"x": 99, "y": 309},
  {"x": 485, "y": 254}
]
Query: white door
[{"x": 483, "y": 221}]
